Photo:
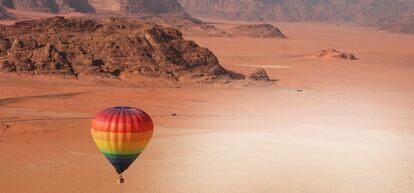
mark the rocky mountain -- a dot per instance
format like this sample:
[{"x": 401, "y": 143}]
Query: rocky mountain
[
  {"x": 107, "y": 47},
  {"x": 360, "y": 11}
]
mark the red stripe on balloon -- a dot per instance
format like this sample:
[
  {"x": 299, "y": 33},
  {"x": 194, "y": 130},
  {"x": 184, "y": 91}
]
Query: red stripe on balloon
[{"x": 122, "y": 121}]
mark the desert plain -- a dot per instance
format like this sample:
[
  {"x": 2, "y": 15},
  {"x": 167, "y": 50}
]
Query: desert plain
[{"x": 326, "y": 126}]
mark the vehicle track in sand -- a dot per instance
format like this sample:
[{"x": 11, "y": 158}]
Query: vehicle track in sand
[{"x": 46, "y": 96}]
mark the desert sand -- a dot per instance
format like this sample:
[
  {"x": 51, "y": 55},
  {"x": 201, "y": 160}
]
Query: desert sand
[{"x": 349, "y": 130}]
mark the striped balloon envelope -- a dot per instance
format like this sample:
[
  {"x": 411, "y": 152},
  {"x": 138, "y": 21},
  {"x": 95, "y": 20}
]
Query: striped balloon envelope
[{"x": 121, "y": 134}]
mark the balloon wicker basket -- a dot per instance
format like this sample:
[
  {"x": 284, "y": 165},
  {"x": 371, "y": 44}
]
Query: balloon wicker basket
[{"x": 121, "y": 179}]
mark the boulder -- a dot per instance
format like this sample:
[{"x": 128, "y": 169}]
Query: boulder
[{"x": 259, "y": 75}]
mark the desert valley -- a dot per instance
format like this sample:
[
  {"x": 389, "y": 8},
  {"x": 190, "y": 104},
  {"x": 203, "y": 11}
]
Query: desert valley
[{"x": 240, "y": 104}]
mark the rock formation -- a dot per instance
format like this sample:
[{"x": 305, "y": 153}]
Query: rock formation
[
  {"x": 260, "y": 75},
  {"x": 153, "y": 6},
  {"x": 108, "y": 47},
  {"x": 333, "y": 53},
  {"x": 257, "y": 31},
  {"x": 191, "y": 27}
]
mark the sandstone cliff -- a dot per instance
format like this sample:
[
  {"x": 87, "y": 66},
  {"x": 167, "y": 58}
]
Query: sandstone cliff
[{"x": 109, "y": 47}]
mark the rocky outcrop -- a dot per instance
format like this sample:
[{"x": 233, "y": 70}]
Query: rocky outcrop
[
  {"x": 35, "y": 58},
  {"x": 333, "y": 54},
  {"x": 257, "y": 31},
  {"x": 190, "y": 28},
  {"x": 259, "y": 75},
  {"x": 153, "y": 6},
  {"x": 109, "y": 47},
  {"x": 195, "y": 28}
]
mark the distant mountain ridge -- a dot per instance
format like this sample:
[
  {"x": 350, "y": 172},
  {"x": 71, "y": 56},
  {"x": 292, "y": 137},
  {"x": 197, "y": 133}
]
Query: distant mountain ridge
[
  {"x": 402, "y": 24},
  {"x": 367, "y": 12},
  {"x": 91, "y": 6},
  {"x": 298, "y": 10},
  {"x": 4, "y": 14},
  {"x": 391, "y": 15}
]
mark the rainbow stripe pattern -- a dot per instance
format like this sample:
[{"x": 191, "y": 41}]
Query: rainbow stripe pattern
[{"x": 121, "y": 134}]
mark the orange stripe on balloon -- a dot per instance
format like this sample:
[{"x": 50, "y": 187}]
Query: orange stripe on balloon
[
  {"x": 123, "y": 127},
  {"x": 119, "y": 121},
  {"x": 111, "y": 136}
]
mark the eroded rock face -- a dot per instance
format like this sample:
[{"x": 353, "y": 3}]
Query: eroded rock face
[
  {"x": 257, "y": 31},
  {"x": 30, "y": 56},
  {"x": 107, "y": 47}
]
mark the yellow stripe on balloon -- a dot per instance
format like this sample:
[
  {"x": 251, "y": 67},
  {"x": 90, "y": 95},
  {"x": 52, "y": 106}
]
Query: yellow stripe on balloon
[
  {"x": 118, "y": 152},
  {"x": 108, "y": 149},
  {"x": 127, "y": 146}
]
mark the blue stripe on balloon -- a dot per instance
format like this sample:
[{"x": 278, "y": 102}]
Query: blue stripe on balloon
[{"x": 121, "y": 163}]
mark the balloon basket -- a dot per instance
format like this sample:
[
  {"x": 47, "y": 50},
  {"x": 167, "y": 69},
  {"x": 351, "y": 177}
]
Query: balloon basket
[{"x": 121, "y": 179}]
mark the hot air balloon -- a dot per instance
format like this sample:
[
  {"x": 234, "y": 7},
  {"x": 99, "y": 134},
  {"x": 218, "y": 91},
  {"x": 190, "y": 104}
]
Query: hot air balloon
[{"x": 121, "y": 134}]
